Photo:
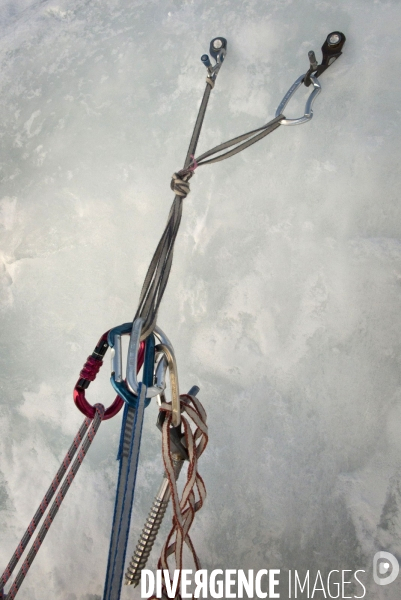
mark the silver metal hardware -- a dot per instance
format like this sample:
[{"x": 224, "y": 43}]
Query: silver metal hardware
[
  {"x": 163, "y": 338},
  {"x": 150, "y": 529},
  {"x": 153, "y": 522},
  {"x": 116, "y": 360},
  {"x": 168, "y": 361},
  {"x": 160, "y": 371},
  {"x": 213, "y": 71},
  {"x": 312, "y": 60},
  {"x": 132, "y": 359},
  {"x": 175, "y": 394},
  {"x": 308, "y": 107},
  {"x": 218, "y": 50},
  {"x": 334, "y": 39}
]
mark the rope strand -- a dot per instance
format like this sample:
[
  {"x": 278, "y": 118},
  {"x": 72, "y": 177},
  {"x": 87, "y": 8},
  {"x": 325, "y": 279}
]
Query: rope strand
[
  {"x": 83, "y": 449},
  {"x": 45, "y": 502}
]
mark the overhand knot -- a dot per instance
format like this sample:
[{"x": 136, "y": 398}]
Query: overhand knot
[{"x": 180, "y": 182}]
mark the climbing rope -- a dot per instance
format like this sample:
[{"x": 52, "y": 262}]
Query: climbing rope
[
  {"x": 80, "y": 445},
  {"x": 45, "y": 502},
  {"x": 94, "y": 415}
]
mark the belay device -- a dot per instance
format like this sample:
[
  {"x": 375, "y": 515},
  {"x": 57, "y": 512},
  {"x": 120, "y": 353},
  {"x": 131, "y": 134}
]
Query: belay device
[{"x": 182, "y": 420}]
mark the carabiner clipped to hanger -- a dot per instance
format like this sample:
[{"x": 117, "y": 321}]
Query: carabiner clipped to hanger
[
  {"x": 308, "y": 106},
  {"x": 331, "y": 50}
]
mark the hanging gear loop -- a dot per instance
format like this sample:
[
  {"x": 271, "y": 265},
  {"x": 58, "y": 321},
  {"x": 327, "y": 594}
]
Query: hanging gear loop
[
  {"x": 160, "y": 503},
  {"x": 184, "y": 508}
]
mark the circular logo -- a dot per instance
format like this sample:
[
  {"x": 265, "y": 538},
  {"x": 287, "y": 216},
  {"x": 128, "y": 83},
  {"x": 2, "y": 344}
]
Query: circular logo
[{"x": 385, "y": 568}]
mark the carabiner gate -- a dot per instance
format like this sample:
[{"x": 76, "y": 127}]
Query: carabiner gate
[
  {"x": 308, "y": 106},
  {"x": 129, "y": 390},
  {"x": 168, "y": 361}
]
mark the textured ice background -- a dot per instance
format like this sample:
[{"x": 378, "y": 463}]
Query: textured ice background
[{"x": 284, "y": 299}]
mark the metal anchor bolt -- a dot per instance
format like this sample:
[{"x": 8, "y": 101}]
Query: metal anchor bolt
[
  {"x": 150, "y": 529},
  {"x": 312, "y": 60},
  {"x": 334, "y": 39}
]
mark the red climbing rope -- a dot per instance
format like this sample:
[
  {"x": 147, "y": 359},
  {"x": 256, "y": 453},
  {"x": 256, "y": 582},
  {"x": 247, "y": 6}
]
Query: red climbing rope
[
  {"x": 82, "y": 445},
  {"x": 45, "y": 502}
]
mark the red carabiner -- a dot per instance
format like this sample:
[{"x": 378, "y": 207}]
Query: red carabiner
[{"x": 90, "y": 370}]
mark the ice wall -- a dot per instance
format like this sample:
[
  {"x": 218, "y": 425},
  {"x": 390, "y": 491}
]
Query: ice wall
[{"x": 284, "y": 299}]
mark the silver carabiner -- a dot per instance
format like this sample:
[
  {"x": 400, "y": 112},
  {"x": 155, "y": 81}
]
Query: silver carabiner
[
  {"x": 132, "y": 362},
  {"x": 308, "y": 106},
  {"x": 169, "y": 362}
]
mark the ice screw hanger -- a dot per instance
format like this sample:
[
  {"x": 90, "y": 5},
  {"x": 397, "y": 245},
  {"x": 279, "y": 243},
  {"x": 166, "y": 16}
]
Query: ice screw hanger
[
  {"x": 331, "y": 50},
  {"x": 218, "y": 49}
]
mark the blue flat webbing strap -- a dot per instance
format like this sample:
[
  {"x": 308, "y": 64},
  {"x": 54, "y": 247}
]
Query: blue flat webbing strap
[
  {"x": 125, "y": 497},
  {"x": 128, "y": 455}
]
